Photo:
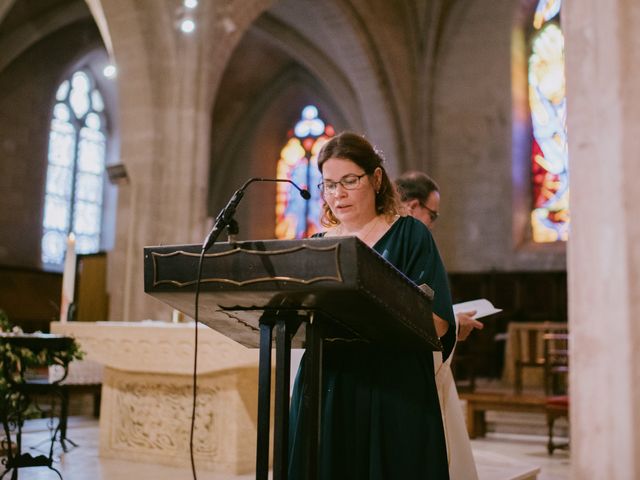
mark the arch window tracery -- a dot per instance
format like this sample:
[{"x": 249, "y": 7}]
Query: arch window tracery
[{"x": 75, "y": 173}]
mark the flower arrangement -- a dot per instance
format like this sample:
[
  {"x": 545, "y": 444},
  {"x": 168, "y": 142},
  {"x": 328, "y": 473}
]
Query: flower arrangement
[{"x": 16, "y": 360}]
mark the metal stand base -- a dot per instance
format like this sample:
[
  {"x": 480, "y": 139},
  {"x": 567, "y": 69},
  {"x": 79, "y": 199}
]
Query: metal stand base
[{"x": 283, "y": 326}]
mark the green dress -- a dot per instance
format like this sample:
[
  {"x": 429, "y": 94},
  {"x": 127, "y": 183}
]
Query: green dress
[{"x": 380, "y": 412}]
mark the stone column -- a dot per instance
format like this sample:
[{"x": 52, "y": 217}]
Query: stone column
[
  {"x": 5, "y": 6},
  {"x": 603, "y": 68},
  {"x": 164, "y": 120},
  {"x": 166, "y": 85}
]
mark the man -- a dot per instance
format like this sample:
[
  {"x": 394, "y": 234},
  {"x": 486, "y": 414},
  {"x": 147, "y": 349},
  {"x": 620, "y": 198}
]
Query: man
[{"x": 420, "y": 196}]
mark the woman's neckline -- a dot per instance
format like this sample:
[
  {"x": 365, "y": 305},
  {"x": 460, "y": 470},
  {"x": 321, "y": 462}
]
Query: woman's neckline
[
  {"x": 329, "y": 233},
  {"x": 395, "y": 220}
]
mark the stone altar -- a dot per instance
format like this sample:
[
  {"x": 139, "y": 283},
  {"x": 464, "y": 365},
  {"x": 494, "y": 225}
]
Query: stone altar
[{"x": 147, "y": 393}]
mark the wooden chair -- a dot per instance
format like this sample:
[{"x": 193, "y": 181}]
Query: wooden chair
[
  {"x": 556, "y": 363},
  {"x": 556, "y": 355},
  {"x": 528, "y": 349},
  {"x": 556, "y": 407},
  {"x": 526, "y": 353}
]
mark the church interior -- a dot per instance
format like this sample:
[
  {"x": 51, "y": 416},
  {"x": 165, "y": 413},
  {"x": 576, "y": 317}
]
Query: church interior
[{"x": 127, "y": 124}]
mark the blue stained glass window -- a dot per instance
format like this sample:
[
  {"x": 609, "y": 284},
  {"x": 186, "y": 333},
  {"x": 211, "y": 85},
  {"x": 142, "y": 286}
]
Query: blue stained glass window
[
  {"x": 547, "y": 102},
  {"x": 75, "y": 176},
  {"x": 296, "y": 217}
]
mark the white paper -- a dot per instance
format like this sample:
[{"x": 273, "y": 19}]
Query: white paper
[{"x": 482, "y": 306}]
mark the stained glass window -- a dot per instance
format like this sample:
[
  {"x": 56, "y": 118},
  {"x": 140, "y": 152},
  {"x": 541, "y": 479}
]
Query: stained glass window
[
  {"x": 296, "y": 217},
  {"x": 547, "y": 101},
  {"x": 74, "y": 187}
]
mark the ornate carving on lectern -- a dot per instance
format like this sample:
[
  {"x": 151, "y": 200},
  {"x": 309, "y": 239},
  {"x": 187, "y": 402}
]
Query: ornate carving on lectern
[{"x": 256, "y": 269}]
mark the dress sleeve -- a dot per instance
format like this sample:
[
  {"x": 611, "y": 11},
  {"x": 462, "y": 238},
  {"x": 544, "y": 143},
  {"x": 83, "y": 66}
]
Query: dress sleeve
[{"x": 424, "y": 265}]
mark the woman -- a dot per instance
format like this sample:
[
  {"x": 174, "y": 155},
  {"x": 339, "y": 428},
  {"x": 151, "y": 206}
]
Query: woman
[{"x": 381, "y": 416}]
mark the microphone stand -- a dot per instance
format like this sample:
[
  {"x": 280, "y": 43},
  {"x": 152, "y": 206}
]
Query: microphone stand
[
  {"x": 224, "y": 219},
  {"x": 232, "y": 230}
]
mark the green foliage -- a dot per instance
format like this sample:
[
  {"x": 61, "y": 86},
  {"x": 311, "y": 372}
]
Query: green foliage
[
  {"x": 5, "y": 324},
  {"x": 25, "y": 359}
]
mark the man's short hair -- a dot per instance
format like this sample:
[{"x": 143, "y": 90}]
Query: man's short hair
[{"x": 416, "y": 185}]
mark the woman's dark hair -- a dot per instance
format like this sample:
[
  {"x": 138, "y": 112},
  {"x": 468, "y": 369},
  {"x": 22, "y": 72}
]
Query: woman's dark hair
[{"x": 354, "y": 147}]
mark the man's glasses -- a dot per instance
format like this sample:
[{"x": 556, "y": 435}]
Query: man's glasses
[
  {"x": 433, "y": 215},
  {"x": 348, "y": 182}
]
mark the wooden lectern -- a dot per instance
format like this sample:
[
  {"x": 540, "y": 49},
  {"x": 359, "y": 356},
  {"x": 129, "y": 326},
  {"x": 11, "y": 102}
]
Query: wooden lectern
[{"x": 300, "y": 291}]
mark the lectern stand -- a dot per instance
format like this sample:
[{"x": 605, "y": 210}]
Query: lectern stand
[
  {"x": 283, "y": 326},
  {"x": 298, "y": 292}
]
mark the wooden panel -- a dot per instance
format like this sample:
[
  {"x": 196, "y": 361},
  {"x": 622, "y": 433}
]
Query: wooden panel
[
  {"x": 30, "y": 297},
  {"x": 523, "y": 296},
  {"x": 91, "y": 288}
]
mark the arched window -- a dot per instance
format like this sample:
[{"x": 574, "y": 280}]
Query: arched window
[
  {"x": 547, "y": 102},
  {"x": 296, "y": 217},
  {"x": 75, "y": 175}
]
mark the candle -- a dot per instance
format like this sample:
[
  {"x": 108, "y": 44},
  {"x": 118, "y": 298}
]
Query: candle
[{"x": 68, "y": 278}]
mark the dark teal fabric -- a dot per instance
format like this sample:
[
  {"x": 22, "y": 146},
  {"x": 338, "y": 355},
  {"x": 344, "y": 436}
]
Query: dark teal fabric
[
  {"x": 409, "y": 246},
  {"x": 380, "y": 412}
]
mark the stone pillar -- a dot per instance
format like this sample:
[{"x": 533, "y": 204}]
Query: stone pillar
[
  {"x": 166, "y": 84},
  {"x": 164, "y": 108},
  {"x": 603, "y": 67},
  {"x": 5, "y": 6}
]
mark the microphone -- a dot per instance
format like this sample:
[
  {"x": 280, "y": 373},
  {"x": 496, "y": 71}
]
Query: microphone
[
  {"x": 226, "y": 214},
  {"x": 304, "y": 193}
]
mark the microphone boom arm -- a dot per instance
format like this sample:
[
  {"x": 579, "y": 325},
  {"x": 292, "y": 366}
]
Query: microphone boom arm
[{"x": 226, "y": 214}]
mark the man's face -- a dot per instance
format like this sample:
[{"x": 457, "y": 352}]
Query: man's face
[{"x": 426, "y": 212}]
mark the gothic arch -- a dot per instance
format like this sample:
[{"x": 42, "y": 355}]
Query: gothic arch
[
  {"x": 254, "y": 139},
  {"x": 48, "y": 21},
  {"x": 315, "y": 61},
  {"x": 350, "y": 57}
]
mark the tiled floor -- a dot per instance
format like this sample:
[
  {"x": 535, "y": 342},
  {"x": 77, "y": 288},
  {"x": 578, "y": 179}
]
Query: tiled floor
[
  {"x": 498, "y": 456},
  {"x": 490, "y": 454}
]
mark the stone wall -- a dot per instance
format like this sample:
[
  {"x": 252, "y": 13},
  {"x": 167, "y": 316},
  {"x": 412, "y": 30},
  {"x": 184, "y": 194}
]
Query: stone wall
[
  {"x": 430, "y": 85},
  {"x": 27, "y": 89}
]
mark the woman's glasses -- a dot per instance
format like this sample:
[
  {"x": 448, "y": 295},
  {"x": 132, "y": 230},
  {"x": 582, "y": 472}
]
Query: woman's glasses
[{"x": 348, "y": 182}]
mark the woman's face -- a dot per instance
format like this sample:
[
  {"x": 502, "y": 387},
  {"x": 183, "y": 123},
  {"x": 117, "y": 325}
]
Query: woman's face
[{"x": 350, "y": 206}]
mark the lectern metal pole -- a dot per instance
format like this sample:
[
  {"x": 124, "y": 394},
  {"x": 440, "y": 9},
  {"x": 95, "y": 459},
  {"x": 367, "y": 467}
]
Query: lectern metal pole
[
  {"x": 312, "y": 400},
  {"x": 283, "y": 369},
  {"x": 264, "y": 402}
]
